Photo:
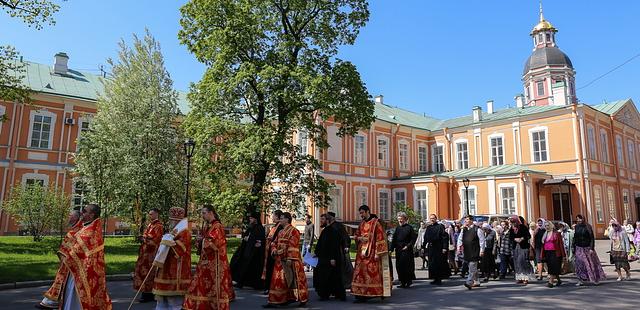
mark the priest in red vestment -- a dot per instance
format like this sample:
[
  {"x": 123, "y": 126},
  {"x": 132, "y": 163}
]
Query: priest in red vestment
[
  {"x": 371, "y": 274},
  {"x": 146, "y": 253},
  {"x": 288, "y": 282},
  {"x": 52, "y": 296},
  {"x": 211, "y": 288},
  {"x": 173, "y": 261},
  {"x": 86, "y": 284},
  {"x": 267, "y": 270}
]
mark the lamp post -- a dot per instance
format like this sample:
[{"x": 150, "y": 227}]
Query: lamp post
[
  {"x": 465, "y": 182},
  {"x": 189, "y": 146}
]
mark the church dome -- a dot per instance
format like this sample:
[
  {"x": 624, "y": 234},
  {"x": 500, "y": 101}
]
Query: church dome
[{"x": 546, "y": 56}]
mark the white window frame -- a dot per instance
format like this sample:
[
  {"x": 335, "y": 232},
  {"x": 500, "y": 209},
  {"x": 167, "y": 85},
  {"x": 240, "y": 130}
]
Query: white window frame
[
  {"x": 3, "y": 111},
  {"x": 434, "y": 162},
  {"x": 604, "y": 146},
  {"x": 356, "y": 202},
  {"x": 611, "y": 202},
  {"x": 631, "y": 154},
  {"x": 620, "y": 151},
  {"x": 43, "y": 113},
  {"x": 538, "y": 84},
  {"x": 626, "y": 205},
  {"x": 416, "y": 202},
  {"x": 591, "y": 140},
  {"x": 515, "y": 197},
  {"x": 473, "y": 208},
  {"x": 423, "y": 161},
  {"x": 383, "y": 152},
  {"x": 532, "y": 131},
  {"x": 460, "y": 161},
  {"x": 393, "y": 194},
  {"x": 337, "y": 203},
  {"x": 303, "y": 142},
  {"x": 502, "y": 146},
  {"x": 83, "y": 196},
  {"x": 360, "y": 160},
  {"x": 597, "y": 202},
  {"x": 403, "y": 163},
  {"x": 388, "y": 209},
  {"x": 35, "y": 176}
]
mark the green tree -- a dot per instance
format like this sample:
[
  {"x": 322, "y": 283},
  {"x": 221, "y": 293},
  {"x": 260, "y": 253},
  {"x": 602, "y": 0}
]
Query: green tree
[
  {"x": 272, "y": 72},
  {"x": 130, "y": 157},
  {"x": 38, "y": 208},
  {"x": 413, "y": 217}
]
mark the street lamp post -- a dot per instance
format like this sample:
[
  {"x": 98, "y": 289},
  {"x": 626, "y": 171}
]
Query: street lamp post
[
  {"x": 465, "y": 182},
  {"x": 189, "y": 147}
]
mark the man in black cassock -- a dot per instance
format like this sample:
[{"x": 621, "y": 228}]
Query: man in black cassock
[
  {"x": 436, "y": 243},
  {"x": 247, "y": 262},
  {"x": 347, "y": 266},
  {"x": 402, "y": 243},
  {"x": 327, "y": 275}
]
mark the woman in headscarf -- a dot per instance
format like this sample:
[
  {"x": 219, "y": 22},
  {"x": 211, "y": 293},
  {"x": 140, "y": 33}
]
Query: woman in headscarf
[
  {"x": 552, "y": 252},
  {"x": 488, "y": 261},
  {"x": 418, "y": 248},
  {"x": 521, "y": 243},
  {"x": 587, "y": 264},
  {"x": 537, "y": 246},
  {"x": 619, "y": 248}
]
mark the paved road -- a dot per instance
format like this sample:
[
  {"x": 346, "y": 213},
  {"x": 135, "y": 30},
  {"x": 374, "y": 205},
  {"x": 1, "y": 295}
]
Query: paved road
[{"x": 452, "y": 295}]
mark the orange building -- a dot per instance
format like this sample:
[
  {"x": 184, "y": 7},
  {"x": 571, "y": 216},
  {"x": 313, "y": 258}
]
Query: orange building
[{"x": 550, "y": 156}]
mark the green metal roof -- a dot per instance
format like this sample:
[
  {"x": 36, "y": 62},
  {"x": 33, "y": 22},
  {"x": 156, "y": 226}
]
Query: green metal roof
[
  {"x": 478, "y": 172},
  {"x": 611, "y": 107},
  {"x": 509, "y": 113},
  {"x": 396, "y": 115}
]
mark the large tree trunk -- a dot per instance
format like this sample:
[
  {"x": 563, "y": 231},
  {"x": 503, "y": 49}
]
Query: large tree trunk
[{"x": 259, "y": 180}]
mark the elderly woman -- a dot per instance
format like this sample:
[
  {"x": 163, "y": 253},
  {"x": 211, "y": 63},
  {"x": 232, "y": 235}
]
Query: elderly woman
[
  {"x": 587, "y": 264},
  {"x": 521, "y": 243},
  {"x": 488, "y": 261},
  {"x": 619, "y": 248},
  {"x": 537, "y": 246},
  {"x": 402, "y": 243},
  {"x": 552, "y": 252},
  {"x": 418, "y": 248}
]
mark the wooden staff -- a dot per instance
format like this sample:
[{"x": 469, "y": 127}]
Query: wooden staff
[{"x": 141, "y": 285}]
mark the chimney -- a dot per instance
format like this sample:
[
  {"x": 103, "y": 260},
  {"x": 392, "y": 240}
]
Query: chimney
[
  {"x": 379, "y": 98},
  {"x": 60, "y": 65},
  {"x": 477, "y": 114},
  {"x": 519, "y": 100},
  {"x": 490, "y": 106}
]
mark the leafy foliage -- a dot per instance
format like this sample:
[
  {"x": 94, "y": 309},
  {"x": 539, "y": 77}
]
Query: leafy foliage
[
  {"x": 130, "y": 158},
  {"x": 272, "y": 75},
  {"x": 413, "y": 217},
  {"x": 11, "y": 75},
  {"x": 34, "y": 13},
  {"x": 38, "y": 208}
]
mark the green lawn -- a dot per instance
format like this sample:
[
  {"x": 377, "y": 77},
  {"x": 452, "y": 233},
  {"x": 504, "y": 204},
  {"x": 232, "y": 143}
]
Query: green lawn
[{"x": 21, "y": 259}]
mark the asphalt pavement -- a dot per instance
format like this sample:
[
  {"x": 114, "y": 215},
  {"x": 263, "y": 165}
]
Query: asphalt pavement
[{"x": 451, "y": 295}]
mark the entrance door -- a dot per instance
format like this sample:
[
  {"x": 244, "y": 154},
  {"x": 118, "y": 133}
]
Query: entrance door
[
  {"x": 562, "y": 207},
  {"x": 637, "y": 208}
]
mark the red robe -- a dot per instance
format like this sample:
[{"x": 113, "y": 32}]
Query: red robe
[
  {"x": 61, "y": 276},
  {"x": 211, "y": 287},
  {"x": 287, "y": 256},
  {"x": 174, "y": 276},
  {"x": 147, "y": 252},
  {"x": 84, "y": 258},
  {"x": 270, "y": 243},
  {"x": 370, "y": 277}
]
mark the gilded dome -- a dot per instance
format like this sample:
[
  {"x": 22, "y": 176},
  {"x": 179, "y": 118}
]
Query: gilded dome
[{"x": 543, "y": 25}]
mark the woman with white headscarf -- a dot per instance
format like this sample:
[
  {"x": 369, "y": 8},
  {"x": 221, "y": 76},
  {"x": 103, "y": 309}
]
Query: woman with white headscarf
[{"x": 619, "y": 249}]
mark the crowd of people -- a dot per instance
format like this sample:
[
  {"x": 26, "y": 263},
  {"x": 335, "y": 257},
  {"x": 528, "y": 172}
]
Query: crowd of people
[{"x": 276, "y": 260}]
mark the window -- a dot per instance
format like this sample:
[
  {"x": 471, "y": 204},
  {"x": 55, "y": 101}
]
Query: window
[
  {"x": 422, "y": 158},
  {"x": 508, "y": 197},
  {"x": 619, "y": 151},
  {"x": 539, "y": 37},
  {"x": 540, "y": 86},
  {"x": 403, "y": 158},
  {"x": 548, "y": 37},
  {"x": 497, "y": 151},
  {"x": 336, "y": 201},
  {"x": 303, "y": 142},
  {"x": 631, "y": 155},
  {"x": 472, "y": 200},
  {"x": 41, "y": 131},
  {"x": 2, "y": 113},
  {"x": 462, "y": 155},
  {"x": 421, "y": 203},
  {"x": 438, "y": 158},
  {"x": 597, "y": 197},
  {"x": 383, "y": 202},
  {"x": 604, "y": 146},
  {"x": 611, "y": 199},
  {"x": 527, "y": 91},
  {"x": 30, "y": 182},
  {"x": 83, "y": 125},
  {"x": 361, "y": 196},
  {"x": 383, "y": 152},
  {"x": 591, "y": 137},
  {"x": 360, "y": 149},
  {"x": 625, "y": 205},
  {"x": 399, "y": 196},
  {"x": 539, "y": 140},
  {"x": 79, "y": 194}
]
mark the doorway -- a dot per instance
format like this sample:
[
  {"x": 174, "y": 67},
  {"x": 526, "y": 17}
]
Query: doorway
[{"x": 562, "y": 207}]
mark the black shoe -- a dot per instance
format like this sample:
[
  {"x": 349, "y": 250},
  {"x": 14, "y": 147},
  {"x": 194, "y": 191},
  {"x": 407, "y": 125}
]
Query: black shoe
[
  {"x": 559, "y": 282},
  {"x": 467, "y": 285},
  {"x": 549, "y": 285}
]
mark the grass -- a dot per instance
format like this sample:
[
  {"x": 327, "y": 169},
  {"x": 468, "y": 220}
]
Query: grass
[{"x": 22, "y": 259}]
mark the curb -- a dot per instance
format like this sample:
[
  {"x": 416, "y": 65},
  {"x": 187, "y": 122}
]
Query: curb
[{"x": 26, "y": 284}]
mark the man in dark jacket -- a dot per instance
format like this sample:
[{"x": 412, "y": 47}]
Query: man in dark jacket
[
  {"x": 471, "y": 243},
  {"x": 436, "y": 244},
  {"x": 402, "y": 243}
]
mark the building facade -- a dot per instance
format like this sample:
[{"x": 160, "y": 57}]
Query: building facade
[{"x": 549, "y": 156}]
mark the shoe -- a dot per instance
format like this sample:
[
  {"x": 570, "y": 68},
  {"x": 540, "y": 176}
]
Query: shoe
[
  {"x": 580, "y": 283},
  {"x": 619, "y": 279},
  {"x": 401, "y": 286},
  {"x": 525, "y": 282},
  {"x": 549, "y": 285},
  {"x": 467, "y": 285},
  {"x": 41, "y": 306},
  {"x": 359, "y": 301},
  {"x": 485, "y": 280},
  {"x": 502, "y": 277},
  {"x": 559, "y": 282},
  {"x": 539, "y": 278},
  {"x": 628, "y": 277}
]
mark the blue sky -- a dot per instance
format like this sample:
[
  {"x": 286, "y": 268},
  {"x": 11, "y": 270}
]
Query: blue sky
[{"x": 435, "y": 57}]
